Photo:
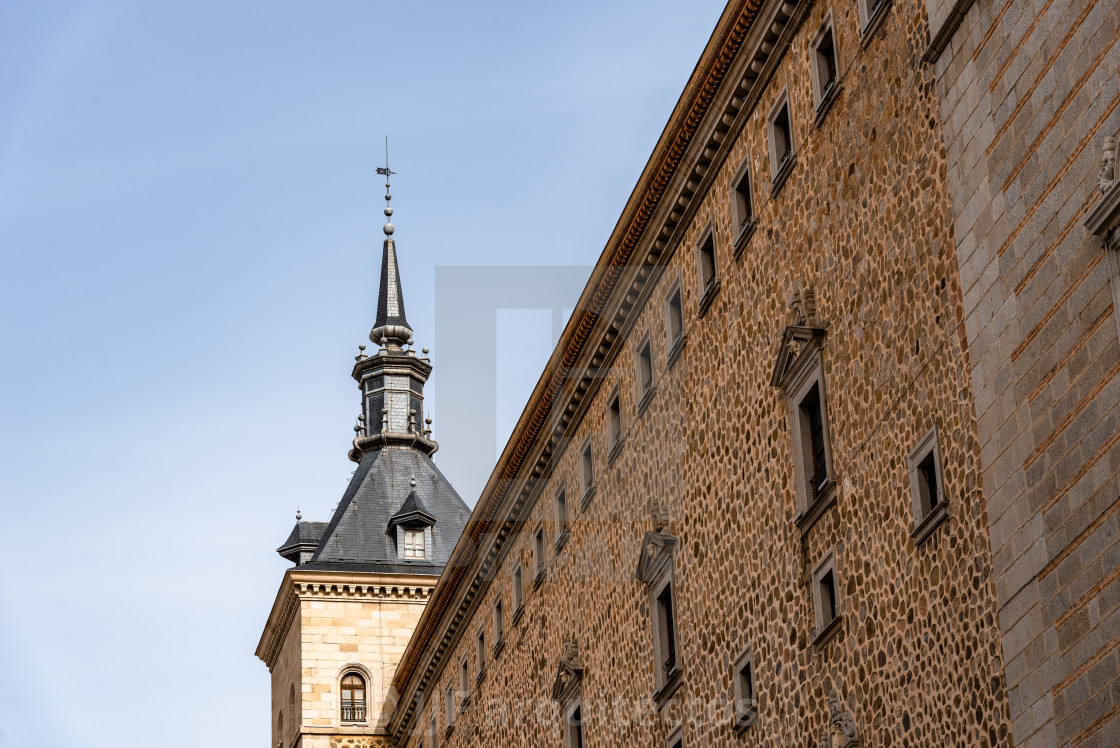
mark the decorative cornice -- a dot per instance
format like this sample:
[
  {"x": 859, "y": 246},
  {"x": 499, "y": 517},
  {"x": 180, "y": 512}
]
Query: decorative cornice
[{"x": 675, "y": 142}]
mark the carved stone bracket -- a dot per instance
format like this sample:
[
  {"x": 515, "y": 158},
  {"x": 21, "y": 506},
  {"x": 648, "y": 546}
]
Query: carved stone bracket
[{"x": 841, "y": 731}]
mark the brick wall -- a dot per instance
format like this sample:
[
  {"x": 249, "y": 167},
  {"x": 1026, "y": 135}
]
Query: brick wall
[{"x": 1028, "y": 92}]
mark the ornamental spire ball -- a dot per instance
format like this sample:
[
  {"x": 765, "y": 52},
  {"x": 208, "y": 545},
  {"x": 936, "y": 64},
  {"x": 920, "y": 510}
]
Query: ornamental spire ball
[{"x": 385, "y": 172}]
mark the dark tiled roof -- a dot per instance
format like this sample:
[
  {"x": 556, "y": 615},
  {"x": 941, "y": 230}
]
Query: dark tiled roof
[
  {"x": 304, "y": 532},
  {"x": 359, "y": 532}
]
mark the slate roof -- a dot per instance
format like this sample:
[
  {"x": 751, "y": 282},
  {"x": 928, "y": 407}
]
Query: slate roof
[
  {"x": 359, "y": 533},
  {"x": 390, "y": 296},
  {"x": 304, "y": 532}
]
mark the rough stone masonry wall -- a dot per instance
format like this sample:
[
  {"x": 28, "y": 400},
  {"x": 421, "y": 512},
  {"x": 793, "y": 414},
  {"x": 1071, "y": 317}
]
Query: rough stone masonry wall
[
  {"x": 865, "y": 219},
  {"x": 1028, "y": 92}
]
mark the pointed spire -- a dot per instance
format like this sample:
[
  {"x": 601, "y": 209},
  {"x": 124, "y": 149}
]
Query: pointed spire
[{"x": 391, "y": 324}]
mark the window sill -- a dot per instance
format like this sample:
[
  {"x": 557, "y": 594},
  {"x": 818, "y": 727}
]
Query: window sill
[
  {"x": 744, "y": 237},
  {"x": 672, "y": 683},
  {"x": 782, "y": 174},
  {"x": 464, "y": 704},
  {"x": 498, "y": 647},
  {"x": 538, "y": 578},
  {"x": 518, "y": 613},
  {"x": 824, "y": 634},
  {"x": 480, "y": 677},
  {"x": 561, "y": 540},
  {"x": 878, "y": 14},
  {"x": 447, "y": 730},
  {"x": 647, "y": 398},
  {"x": 588, "y": 495},
  {"x": 745, "y": 720},
  {"x": 614, "y": 451},
  {"x": 808, "y": 516},
  {"x": 675, "y": 349},
  {"x": 931, "y": 522},
  {"x": 827, "y": 100},
  {"x": 710, "y": 292}
]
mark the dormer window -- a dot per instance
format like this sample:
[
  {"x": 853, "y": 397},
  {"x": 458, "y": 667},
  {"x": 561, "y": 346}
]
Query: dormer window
[{"x": 414, "y": 546}]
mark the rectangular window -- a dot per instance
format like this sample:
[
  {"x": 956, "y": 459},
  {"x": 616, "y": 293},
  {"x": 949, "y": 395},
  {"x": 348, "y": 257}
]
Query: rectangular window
[
  {"x": 745, "y": 704},
  {"x": 926, "y": 489},
  {"x": 666, "y": 633},
  {"x": 869, "y": 14},
  {"x": 538, "y": 556},
  {"x": 813, "y": 441},
  {"x": 433, "y": 728},
  {"x": 573, "y": 726},
  {"x": 826, "y": 596},
  {"x": 587, "y": 469},
  {"x": 742, "y": 202},
  {"x": 517, "y": 590},
  {"x": 825, "y": 68},
  {"x": 464, "y": 680},
  {"x": 414, "y": 543},
  {"x": 674, "y": 317},
  {"x": 676, "y": 738},
  {"x": 561, "y": 513},
  {"x": 481, "y": 652},
  {"x": 781, "y": 140},
  {"x": 645, "y": 367},
  {"x": 499, "y": 622},
  {"x": 706, "y": 262},
  {"x": 449, "y": 703},
  {"x": 614, "y": 421}
]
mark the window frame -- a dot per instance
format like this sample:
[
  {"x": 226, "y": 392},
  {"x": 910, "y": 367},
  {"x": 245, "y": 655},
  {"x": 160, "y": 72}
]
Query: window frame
[
  {"x": 415, "y": 532},
  {"x": 518, "y": 577},
  {"x": 586, "y": 471},
  {"x": 824, "y": 629},
  {"x": 614, "y": 423},
  {"x": 871, "y": 15},
  {"x": 926, "y": 518},
  {"x": 360, "y": 675},
  {"x": 449, "y": 707},
  {"x": 824, "y": 92},
  {"x": 707, "y": 287},
  {"x": 560, "y": 503},
  {"x": 744, "y": 225},
  {"x": 780, "y": 167},
  {"x": 499, "y": 623},
  {"x": 811, "y": 502},
  {"x": 480, "y": 653},
  {"x": 464, "y": 682},
  {"x": 745, "y": 705},
  {"x": 674, "y": 343},
  {"x": 675, "y": 738},
  {"x": 571, "y": 738},
  {"x": 646, "y": 386},
  {"x": 540, "y": 561}
]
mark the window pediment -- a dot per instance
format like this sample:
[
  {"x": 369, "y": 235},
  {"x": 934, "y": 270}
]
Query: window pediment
[
  {"x": 799, "y": 343},
  {"x": 657, "y": 553},
  {"x": 569, "y": 673}
]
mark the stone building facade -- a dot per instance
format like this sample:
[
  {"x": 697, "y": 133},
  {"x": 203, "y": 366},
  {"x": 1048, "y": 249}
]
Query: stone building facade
[
  {"x": 736, "y": 420},
  {"x": 1029, "y": 95},
  {"x": 827, "y": 453}
]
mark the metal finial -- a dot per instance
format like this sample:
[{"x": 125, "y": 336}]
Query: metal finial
[
  {"x": 412, "y": 481},
  {"x": 388, "y": 228},
  {"x": 298, "y": 515}
]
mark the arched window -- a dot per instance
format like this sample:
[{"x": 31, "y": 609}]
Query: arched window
[
  {"x": 280, "y": 731},
  {"x": 292, "y": 706},
  {"x": 353, "y": 698}
]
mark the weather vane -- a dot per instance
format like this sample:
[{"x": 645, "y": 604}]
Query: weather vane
[{"x": 385, "y": 172}]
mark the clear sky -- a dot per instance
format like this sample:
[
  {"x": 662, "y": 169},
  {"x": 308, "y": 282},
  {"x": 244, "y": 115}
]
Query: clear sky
[{"x": 189, "y": 245}]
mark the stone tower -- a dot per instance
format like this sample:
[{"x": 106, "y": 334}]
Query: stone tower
[{"x": 346, "y": 609}]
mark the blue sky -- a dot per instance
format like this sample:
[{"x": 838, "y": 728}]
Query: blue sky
[{"x": 189, "y": 246}]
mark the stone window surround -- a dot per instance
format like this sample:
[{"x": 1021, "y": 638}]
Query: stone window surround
[
  {"x": 825, "y": 92},
  {"x": 433, "y": 725},
  {"x": 660, "y": 578},
  {"x": 517, "y": 576},
  {"x": 676, "y": 737},
  {"x": 539, "y": 552},
  {"x": 749, "y": 222},
  {"x": 569, "y": 708},
  {"x": 586, "y": 471},
  {"x": 780, "y": 167},
  {"x": 926, "y": 521},
  {"x": 614, "y": 436},
  {"x": 354, "y": 668},
  {"x": 499, "y": 624},
  {"x": 674, "y": 344},
  {"x": 480, "y": 654},
  {"x": 707, "y": 291},
  {"x": 645, "y": 395},
  {"x": 746, "y": 708},
  {"x": 449, "y": 706},
  {"x": 809, "y": 371},
  {"x": 464, "y": 682},
  {"x": 562, "y": 521},
  {"x": 824, "y": 630},
  {"x": 871, "y": 15}
]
